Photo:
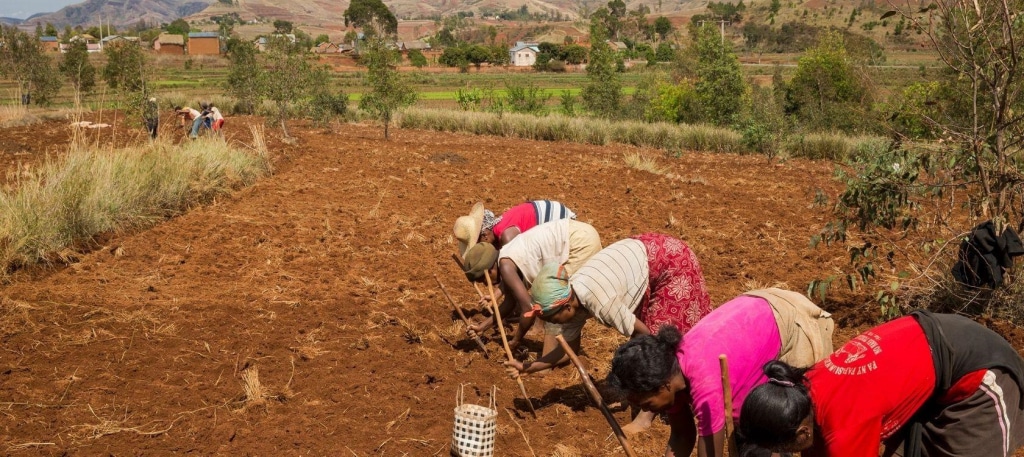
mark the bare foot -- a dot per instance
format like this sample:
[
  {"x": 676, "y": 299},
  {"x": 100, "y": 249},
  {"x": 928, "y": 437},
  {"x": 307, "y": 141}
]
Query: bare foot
[
  {"x": 631, "y": 429},
  {"x": 640, "y": 423}
]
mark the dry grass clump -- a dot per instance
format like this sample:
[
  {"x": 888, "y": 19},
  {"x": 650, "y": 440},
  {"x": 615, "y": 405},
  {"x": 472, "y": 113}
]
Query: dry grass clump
[
  {"x": 71, "y": 198},
  {"x": 638, "y": 161},
  {"x": 255, "y": 394},
  {"x": 16, "y": 115},
  {"x": 562, "y": 450}
]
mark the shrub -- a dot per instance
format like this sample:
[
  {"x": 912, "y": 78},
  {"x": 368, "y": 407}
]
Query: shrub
[{"x": 324, "y": 107}]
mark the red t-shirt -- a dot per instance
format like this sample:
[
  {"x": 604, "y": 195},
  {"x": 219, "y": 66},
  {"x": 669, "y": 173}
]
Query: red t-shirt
[
  {"x": 522, "y": 216},
  {"x": 869, "y": 388}
]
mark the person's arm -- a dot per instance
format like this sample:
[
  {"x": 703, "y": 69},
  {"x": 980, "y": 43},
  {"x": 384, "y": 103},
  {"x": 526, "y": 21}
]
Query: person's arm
[
  {"x": 516, "y": 368},
  {"x": 556, "y": 356},
  {"x": 517, "y": 295},
  {"x": 711, "y": 446},
  {"x": 683, "y": 436},
  {"x": 640, "y": 329},
  {"x": 508, "y": 235},
  {"x": 504, "y": 307}
]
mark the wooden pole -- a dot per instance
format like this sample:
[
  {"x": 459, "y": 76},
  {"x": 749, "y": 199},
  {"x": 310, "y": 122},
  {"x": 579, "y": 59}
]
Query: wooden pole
[
  {"x": 596, "y": 396},
  {"x": 730, "y": 446},
  {"x": 504, "y": 341},
  {"x": 458, "y": 310}
]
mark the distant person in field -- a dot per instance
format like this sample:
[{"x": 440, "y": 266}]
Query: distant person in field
[
  {"x": 203, "y": 120},
  {"x": 187, "y": 116},
  {"x": 635, "y": 286},
  {"x": 151, "y": 116},
  {"x": 923, "y": 385},
  {"x": 217, "y": 119},
  {"x": 514, "y": 268},
  {"x": 680, "y": 375},
  {"x": 481, "y": 225}
]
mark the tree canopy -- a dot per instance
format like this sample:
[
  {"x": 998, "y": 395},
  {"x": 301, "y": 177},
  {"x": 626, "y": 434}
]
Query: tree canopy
[{"x": 373, "y": 14}]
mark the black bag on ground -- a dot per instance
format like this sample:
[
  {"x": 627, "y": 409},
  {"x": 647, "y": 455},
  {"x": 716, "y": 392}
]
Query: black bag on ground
[{"x": 984, "y": 256}]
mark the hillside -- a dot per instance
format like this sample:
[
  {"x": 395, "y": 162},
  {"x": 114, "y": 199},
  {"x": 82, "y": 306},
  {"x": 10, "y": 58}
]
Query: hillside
[
  {"x": 122, "y": 12},
  {"x": 325, "y": 16}
]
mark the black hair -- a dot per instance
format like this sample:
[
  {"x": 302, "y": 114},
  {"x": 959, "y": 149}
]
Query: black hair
[
  {"x": 773, "y": 411},
  {"x": 177, "y": 108},
  {"x": 647, "y": 362}
]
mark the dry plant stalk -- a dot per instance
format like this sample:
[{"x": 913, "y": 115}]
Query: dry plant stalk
[{"x": 255, "y": 395}]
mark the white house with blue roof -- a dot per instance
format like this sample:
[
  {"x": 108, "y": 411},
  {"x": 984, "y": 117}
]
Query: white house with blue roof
[{"x": 523, "y": 54}]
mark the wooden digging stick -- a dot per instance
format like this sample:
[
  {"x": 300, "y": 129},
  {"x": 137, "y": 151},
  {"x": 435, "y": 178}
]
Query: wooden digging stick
[
  {"x": 504, "y": 341},
  {"x": 730, "y": 445},
  {"x": 596, "y": 396},
  {"x": 461, "y": 315}
]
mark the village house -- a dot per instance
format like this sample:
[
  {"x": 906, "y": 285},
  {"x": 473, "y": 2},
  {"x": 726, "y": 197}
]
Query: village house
[
  {"x": 325, "y": 48},
  {"x": 50, "y": 43},
  {"x": 262, "y": 43},
  {"x": 523, "y": 54},
  {"x": 618, "y": 46},
  {"x": 169, "y": 43},
  {"x": 203, "y": 44},
  {"x": 419, "y": 45}
]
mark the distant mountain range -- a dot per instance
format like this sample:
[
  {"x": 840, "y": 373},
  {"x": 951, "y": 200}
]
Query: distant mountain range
[
  {"x": 121, "y": 12},
  {"x": 130, "y": 12},
  {"x": 10, "y": 21}
]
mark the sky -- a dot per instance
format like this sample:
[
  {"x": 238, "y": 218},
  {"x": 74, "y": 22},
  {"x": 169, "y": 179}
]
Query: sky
[{"x": 22, "y": 9}]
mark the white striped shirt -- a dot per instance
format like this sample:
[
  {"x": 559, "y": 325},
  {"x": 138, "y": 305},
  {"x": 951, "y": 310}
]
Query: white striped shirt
[{"x": 610, "y": 286}]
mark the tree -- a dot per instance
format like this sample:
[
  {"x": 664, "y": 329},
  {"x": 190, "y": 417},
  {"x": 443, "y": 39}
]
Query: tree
[
  {"x": 325, "y": 104},
  {"x": 603, "y": 92},
  {"x": 125, "y": 69},
  {"x": 22, "y": 59},
  {"x": 663, "y": 27},
  {"x": 665, "y": 53},
  {"x": 372, "y": 16},
  {"x": 245, "y": 75},
  {"x": 321, "y": 38},
  {"x": 388, "y": 91},
  {"x": 574, "y": 54},
  {"x": 282, "y": 26},
  {"x": 179, "y": 27},
  {"x": 454, "y": 57},
  {"x": 826, "y": 91},
  {"x": 289, "y": 78},
  {"x": 417, "y": 59},
  {"x": 478, "y": 55},
  {"x": 719, "y": 86},
  {"x": 125, "y": 72},
  {"x": 50, "y": 30},
  {"x": 499, "y": 55},
  {"x": 76, "y": 67}
]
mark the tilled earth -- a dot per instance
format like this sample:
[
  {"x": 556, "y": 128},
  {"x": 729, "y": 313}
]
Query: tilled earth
[{"x": 300, "y": 316}]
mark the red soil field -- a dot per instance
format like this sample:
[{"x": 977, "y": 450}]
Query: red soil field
[{"x": 321, "y": 277}]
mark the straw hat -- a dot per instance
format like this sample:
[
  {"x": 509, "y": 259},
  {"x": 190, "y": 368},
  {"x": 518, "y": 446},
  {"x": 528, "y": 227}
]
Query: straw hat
[{"x": 467, "y": 228}]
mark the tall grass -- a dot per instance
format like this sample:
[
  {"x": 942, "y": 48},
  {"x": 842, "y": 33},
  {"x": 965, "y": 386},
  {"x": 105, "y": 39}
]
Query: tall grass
[
  {"x": 15, "y": 115},
  {"x": 89, "y": 191},
  {"x": 577, "y": 130},
  {"x": 833, "y": 146}
]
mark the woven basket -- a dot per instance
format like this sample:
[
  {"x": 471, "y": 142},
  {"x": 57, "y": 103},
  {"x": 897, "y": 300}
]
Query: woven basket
[{"x": 475, "y": 428}]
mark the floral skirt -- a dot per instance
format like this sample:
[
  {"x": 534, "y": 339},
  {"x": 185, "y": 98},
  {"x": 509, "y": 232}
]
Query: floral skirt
[{"x": 677, "y": 294}]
